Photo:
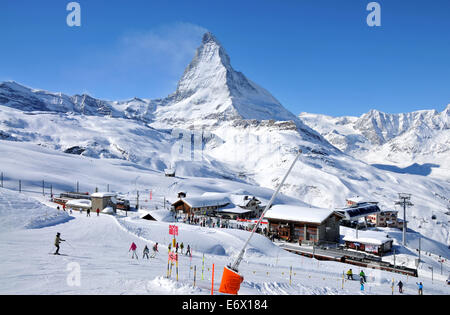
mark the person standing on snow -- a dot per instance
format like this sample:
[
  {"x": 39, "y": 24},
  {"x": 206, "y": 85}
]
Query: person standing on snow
[
  {"x": 98, "y": 212},
  {"x": 145, "y": 253},
  {"x": 181, "y": 248},
  {"x": 155, "y": 250},
  {"x": 133, "y": 248},
  {"x": 188, "y": 251},
  {"x": 176, "y": 248},
  {"x": 88, "y": 212},
  {"x": 58, "y": 241},
  {"x": 420, "y": 287},
  {"x": 400, "y": 287},
  {"x": 363, "y": 276},
  {"x": 350, "y": 274}
]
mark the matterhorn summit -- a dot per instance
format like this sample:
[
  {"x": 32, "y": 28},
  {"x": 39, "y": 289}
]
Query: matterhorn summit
[{"x": 210, "y": 90}]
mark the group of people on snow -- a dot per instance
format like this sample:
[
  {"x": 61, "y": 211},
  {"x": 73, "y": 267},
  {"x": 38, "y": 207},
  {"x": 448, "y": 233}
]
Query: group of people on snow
[
  {"x": 145, "y": 252},
  {"x": 362, "y": 277},
  {"x": 362, "y": 280},
  {"x": 181, "y": 247},
  {"x": 88, "y": 211}
]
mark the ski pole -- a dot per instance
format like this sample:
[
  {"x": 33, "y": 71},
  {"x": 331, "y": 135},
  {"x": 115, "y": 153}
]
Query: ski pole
[
  {"x": 69, "y": 244},
  {"x": 203, "y": 265}
]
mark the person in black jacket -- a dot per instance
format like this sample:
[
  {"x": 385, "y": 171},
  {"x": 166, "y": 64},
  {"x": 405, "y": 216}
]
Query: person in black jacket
[{"x": 400, "y": 286}]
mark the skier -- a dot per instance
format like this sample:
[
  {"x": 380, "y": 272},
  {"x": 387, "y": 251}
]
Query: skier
[
  {"x": 361, "y": 281},
  {"x": 58, "y": 241},
  {"x": 133, "y": 248},
  {"x": 350, "y": 274},
  {"x": 188, "y": 251},
  {"x": 420, "y": 287},
  {"x": 176, "y": 248},
  {"x": 400, "y": 286},
  {"x": 363, "y": 276},
  {"x": 181, "y": 248},
  {"x": 88, "y": 213},
  {"x": 170, "y": 247},
  {"x": 70, "y": 210},
  {"x": 145, "y": 253},
  {"x": 98, "y": 212},
  {"x": 155, "y": 250}
]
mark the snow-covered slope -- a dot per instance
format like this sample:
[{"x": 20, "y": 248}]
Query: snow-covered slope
[
  {"x": 95, "y": 260},
  {"x": 18, "y": 211}
]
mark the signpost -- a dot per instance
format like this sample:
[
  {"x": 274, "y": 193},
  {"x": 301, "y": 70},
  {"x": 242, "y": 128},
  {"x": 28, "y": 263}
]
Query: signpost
[
  {"x": 173, "y": 230},
  {"x": 173, "y": 256}
]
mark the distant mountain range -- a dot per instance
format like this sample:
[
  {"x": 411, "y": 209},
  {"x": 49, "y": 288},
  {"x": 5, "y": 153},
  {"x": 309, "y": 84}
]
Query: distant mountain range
[{"x": 416, "y": 138}]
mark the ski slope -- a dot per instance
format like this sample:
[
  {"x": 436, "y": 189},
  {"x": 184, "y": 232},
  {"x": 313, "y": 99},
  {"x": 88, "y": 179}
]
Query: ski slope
[{"x": 98, "y": 248}]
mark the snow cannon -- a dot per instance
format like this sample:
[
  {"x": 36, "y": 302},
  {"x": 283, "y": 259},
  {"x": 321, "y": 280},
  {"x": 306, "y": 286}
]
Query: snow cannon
[{"x": 231, "y": 281}]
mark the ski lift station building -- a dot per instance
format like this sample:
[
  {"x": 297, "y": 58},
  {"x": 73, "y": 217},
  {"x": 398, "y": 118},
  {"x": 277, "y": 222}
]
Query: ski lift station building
[{"x": 102, "y": 200}]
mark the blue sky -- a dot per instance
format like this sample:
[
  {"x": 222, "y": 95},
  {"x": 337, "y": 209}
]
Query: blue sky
[{"x": 313, "y": 55}]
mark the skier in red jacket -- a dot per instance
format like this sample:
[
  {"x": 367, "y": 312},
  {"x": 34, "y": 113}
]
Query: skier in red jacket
[{"x": 133, "y": 248}]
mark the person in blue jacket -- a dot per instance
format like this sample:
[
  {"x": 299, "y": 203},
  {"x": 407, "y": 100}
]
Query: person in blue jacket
[{"x": 420, "y": 288}]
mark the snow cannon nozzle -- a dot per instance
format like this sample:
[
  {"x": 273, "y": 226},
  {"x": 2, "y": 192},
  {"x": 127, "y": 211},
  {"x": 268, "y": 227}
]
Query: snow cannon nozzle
[{"x": 231, "y": 281}]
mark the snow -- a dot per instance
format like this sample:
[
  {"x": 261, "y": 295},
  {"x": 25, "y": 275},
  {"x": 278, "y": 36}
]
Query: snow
[
  {"x": 411, "y": 143},
  {"x": 108, "y": 210},
  {"x": 18, "y": 211},
  {"x": 296, "y": 213},
  {"x": 206, "y": 201},
  {"x": 103, "y": 194},
  {"x": 78, "y": 203},
  {"x": 233, "y": 209},
  {"x": 98, "y": 247},
  {"x": 367, "y": 237}
]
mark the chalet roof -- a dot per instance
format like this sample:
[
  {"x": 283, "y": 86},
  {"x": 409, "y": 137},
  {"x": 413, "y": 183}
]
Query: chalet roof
[
  {"x": 362, "y": 210},
  {"x": 367, "y": 237},
  {"x": 299, "y": 214},
  {"x": 237, "y": 199},
  {"x": 233, "y": 209},
  {"x": 103, "y": 194},
  {"x": 360, "y": 200},
  {"x": 201, "y": 202}
]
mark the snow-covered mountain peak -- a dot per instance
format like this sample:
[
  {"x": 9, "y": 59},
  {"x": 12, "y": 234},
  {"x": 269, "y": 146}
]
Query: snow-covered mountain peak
[{"x": 211, "y": 91}]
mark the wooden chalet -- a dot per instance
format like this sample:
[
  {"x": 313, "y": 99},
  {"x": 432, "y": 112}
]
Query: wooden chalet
[
  {"x": 304, "y": 225},
  {"x": 200, "y": 205}
]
